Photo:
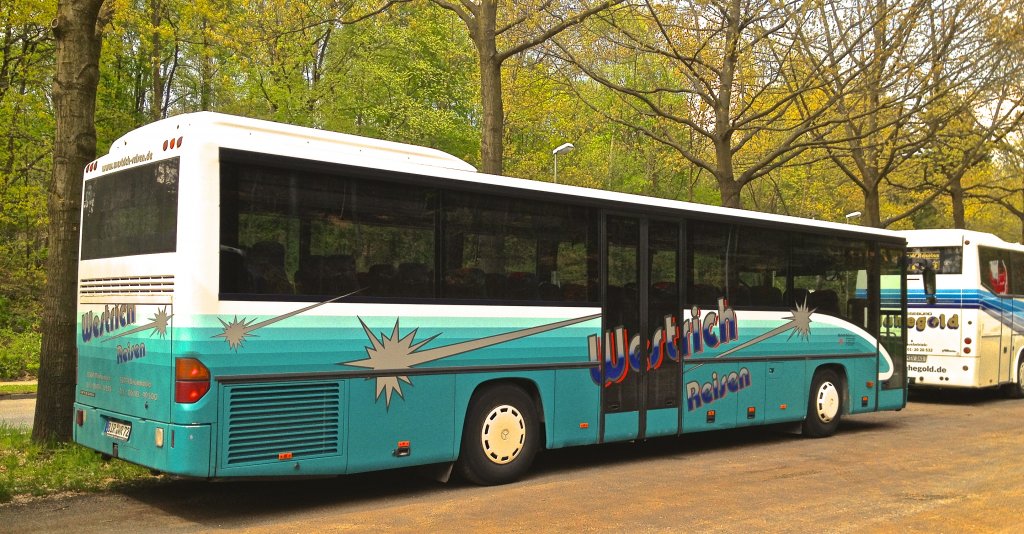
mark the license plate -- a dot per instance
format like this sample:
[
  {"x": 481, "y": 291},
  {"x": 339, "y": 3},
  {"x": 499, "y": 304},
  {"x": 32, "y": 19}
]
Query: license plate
[
  {"x": 917, "y": 358},
  {"x": 117, "y": 430}
]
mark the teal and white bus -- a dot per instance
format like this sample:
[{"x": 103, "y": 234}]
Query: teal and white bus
[
  {"x": 258, "y": 299},
  {"x": 970, "y": 332}
]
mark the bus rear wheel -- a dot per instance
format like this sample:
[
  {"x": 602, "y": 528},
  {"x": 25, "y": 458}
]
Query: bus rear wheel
[
  {"x": 825, "y": 405},
  {"x": 501, "y": 436}
]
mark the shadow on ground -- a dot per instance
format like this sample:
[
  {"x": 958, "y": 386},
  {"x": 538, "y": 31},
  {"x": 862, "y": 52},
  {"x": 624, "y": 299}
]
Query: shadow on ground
[
  {"x": 966, "y": 397},
  {"x": 239, "y": 503}
]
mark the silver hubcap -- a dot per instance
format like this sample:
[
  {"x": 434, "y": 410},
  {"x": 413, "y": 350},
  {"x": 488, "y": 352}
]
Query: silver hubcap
[
  {"x": 827, "y": 404},
  {"x": 503, "y": 434}
]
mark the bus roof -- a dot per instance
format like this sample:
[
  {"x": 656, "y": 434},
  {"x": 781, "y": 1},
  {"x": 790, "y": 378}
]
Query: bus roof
[
  {"x": 939, "y": 237},
  {"x": 256, "y": 135},
  {"x": 221, "y": 126}
]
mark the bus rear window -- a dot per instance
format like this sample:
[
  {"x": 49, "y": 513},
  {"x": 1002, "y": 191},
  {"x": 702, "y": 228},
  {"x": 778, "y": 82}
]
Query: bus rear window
[
  {"x": 131, "y": 212},
  {"x": 943, "y": 260}
]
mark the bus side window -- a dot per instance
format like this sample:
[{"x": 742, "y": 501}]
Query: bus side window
[
  {"x": 997, "y": 276},
  {"x": 994, "y": 273},
  {"x": 265, "y": 264},
  {"x": 1016, "y": 285}
]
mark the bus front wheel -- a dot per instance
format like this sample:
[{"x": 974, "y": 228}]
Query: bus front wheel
[
  {"x": 501, "y": 436},
  {"x": 825, "y": 405}
]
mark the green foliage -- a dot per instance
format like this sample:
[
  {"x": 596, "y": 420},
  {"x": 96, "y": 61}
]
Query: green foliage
[
  {"x": 408, "y": 75},
  {"x": 26, "y": 133},
  {"x": 18, "y": 388},
  {"x": 19, "y": 354},
  {"x": 31, "y": 469}
]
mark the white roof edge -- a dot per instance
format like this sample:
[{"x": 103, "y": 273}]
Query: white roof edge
[
  {"x": 937, "y": 235},
  {"x": 407, "y": 153},
  {"x": 604, "y": 194}
]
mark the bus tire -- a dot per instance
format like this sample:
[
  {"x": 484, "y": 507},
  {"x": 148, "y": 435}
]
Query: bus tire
[
  {"x": 825, "y": 405},
  {"x": 1015, "y": 390},
  {"x": 500, "y": 437}
]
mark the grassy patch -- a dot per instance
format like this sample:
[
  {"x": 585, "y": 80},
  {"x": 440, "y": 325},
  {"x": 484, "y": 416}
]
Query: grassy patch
[
  {"x": 17, "y": 389},
  {"x": 30, "y": 469}
]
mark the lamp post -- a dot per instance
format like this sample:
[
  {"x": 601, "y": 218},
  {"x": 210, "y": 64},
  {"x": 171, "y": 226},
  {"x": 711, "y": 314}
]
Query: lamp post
[
  {"x": 561, "y": 149},
  {"x": 852, "y": 215}
]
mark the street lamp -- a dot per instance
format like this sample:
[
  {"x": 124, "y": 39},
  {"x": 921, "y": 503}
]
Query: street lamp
[
  {"x": 562, "y": 149},
  {"x": 852, "y": 215}
]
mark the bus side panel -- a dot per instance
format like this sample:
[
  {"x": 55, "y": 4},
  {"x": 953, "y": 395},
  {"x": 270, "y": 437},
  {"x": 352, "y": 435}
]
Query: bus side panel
[
  {"x": 859, "y": 374},
  {"x": 787, "y": 391},
  {"x": 892, "y": 399},
  {"x": 575, "y": 418},
  {"x": 710, "y": 393},
  {"x": 750, "y": 400},
  {"x": 381, "y": 423}
]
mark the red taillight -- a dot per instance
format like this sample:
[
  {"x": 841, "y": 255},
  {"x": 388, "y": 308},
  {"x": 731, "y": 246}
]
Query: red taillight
[
  {"x": 967, "y": 341},
  {"x": 191, "y": 380},
  {"x": 967, "y": 350},
  {"x": 189, "y": 392}
]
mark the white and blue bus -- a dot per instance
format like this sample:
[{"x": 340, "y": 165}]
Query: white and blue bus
[
  {"x": 970, "y": 332},
  {"x": 258, "y": 299}
]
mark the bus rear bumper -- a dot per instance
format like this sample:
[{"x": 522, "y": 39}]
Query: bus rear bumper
[
  {"x": 944, "y": 372},
  {"x": 182, "y": 450}
]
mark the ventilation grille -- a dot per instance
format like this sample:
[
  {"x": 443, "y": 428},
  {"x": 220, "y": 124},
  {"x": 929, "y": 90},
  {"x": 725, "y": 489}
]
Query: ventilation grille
[
  {"x": 268, "y": 420},
  {"x": 127, "y": 286}
]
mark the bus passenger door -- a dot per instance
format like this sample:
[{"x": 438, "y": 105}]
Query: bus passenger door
[
  {"x": 663, "y": 382},
  {"x": 639, "y": 362},
  {"x": 1005, "y": 315},
  {"x": 1016, "y": 333},
  {"x": 993, "y": 355}
]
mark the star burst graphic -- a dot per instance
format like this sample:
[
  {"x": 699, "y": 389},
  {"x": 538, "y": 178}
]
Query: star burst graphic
[
  {"x": 236, "y": 331},
  {"x": 391, "y": 352},
  {"x": 395, "y": 353},
  {"x": 158, "y": 323},
  {"x": 799, "y": 322}
]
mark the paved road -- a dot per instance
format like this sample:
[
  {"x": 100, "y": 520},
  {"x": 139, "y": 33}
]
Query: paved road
[
  {"x": 947, "y": 463},
  {"x": 17, "y": 410}
]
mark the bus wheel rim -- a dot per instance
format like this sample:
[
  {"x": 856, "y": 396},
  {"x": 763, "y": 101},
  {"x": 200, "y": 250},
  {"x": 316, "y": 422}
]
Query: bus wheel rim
[
  {"x": 503, "y": 434},
  {"x": 828, "y": 402}
]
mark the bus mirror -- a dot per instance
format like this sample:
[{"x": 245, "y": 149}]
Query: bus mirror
[{"x": 929, "y": 284}]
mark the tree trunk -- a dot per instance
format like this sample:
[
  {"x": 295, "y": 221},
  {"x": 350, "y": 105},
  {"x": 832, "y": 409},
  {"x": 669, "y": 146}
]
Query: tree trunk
[
  {"x": 956, "y": 195},
  {"x": 872, "y": 208},
  {"x": 730, "y": 190},
  {"x": 155, "y": 64},
  {"x": 78, "y": 39},
  {"x": 205, "y": 71},
  {"x": 728, "y": 186},
  {"x": 492, "y": 143}
]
